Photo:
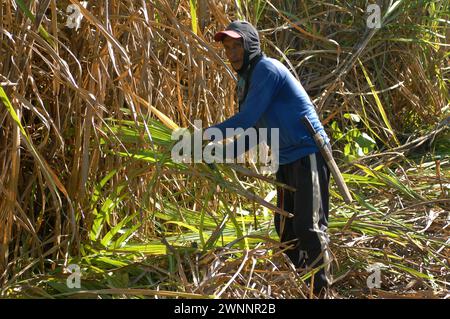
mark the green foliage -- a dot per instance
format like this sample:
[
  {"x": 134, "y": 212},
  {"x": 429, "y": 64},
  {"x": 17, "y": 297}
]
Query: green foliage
[
  {"x": 355, "y": 143},
  {"x": 194, "y": 20}
]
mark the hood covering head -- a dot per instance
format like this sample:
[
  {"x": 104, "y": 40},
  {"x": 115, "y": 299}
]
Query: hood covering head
[{"x": 250, "y": 37}]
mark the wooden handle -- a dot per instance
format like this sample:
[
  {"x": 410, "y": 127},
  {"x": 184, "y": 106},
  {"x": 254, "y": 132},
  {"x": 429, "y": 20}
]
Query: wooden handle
[{"x": 325, "y": 150}]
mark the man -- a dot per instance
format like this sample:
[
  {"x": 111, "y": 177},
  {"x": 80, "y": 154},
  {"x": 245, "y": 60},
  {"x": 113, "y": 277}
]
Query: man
[{"x": 271, "y": 97}]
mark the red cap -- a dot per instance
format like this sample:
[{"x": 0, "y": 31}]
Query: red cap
[{"x": 219, "y": 36}]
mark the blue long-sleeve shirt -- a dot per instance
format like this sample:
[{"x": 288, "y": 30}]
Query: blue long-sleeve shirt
[{"x": 275, "y": 99}]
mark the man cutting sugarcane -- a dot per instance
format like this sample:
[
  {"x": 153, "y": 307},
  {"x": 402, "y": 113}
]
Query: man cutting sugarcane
[{"x": 271, "y": 97}]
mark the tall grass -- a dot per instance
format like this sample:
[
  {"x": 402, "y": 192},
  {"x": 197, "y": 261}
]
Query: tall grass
[{"x": 85, "y": 169}]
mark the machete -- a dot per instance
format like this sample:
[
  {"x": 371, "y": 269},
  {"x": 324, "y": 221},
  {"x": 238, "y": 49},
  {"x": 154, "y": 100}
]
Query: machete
[{"x": 325, "y": 150}]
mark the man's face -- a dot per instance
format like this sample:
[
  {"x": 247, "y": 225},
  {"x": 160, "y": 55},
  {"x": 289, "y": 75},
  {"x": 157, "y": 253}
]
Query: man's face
[{"x": 234, "y": 50}]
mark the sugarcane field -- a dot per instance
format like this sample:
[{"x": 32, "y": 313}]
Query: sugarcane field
[{"x": 224, "y": 149}]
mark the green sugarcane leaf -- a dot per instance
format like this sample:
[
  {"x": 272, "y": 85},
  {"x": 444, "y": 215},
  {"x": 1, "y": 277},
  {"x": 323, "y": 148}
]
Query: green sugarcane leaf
[{"x": 194, "y": 22}]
